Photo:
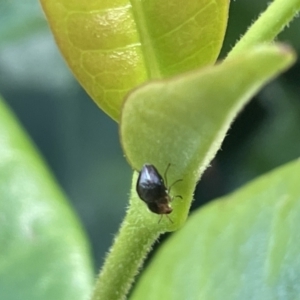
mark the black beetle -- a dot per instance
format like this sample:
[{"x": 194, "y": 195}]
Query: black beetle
[{"x": 153, "y": 189}]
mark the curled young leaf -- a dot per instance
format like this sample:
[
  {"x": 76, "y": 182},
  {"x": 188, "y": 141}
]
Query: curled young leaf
[
  {"x": 43, "y": 251},
  {"x": 183, "y": 120}
]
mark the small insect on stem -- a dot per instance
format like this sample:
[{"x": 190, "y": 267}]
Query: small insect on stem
[{"x": 153, "y": 189}]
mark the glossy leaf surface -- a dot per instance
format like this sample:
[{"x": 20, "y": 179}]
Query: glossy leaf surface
[
  {"x": 184, "y": 120},
  {"x": 43, "y": 251},
  {"x": 242, "y": 246},
  {"x": 114, "y": 45}
]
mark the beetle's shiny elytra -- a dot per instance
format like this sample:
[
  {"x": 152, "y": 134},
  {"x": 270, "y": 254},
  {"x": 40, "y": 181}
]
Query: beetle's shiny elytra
[{"x": 152, "y": 189}]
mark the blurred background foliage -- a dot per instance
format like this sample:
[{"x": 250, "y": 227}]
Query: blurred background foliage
[{"x": 81, "y": 144}]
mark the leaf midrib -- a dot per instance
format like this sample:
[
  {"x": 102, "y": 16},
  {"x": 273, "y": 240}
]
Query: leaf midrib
[{"x": 149, "y": 54}]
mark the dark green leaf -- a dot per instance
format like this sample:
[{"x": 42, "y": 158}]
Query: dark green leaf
[{"x": 43, "y": 251}]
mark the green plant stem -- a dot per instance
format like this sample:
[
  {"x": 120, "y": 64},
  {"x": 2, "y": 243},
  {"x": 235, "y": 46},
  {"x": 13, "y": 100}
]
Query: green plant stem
[
  {"x": 268, "y": 26},
  {"x": 131, "y": 245},
  {"x": 123, "y": 261}
]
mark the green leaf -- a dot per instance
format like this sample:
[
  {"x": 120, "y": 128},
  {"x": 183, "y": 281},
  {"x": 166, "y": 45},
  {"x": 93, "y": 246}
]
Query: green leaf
[
  {"x": 176, "y": 40},
  {"x": 113, "y": 46},
  {"x": 43, "y": 251},
  {"x": 243, "y": 246},
  {"x": 183, "y": 120}
]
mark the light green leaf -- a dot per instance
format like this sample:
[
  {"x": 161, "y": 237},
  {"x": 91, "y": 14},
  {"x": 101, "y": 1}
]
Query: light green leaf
[
  {"x": 183, "y": 120},
  {"x": 43, "y": 251},
  {"x": 113, "y": 46},
  {"x": 242, "y": 246}
]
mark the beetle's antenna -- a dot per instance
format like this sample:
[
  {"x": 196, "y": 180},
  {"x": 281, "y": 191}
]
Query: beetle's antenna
[
  {"x": 169, "y": 188},
  {"x": 165, "y": 174},
  {"x": 169, "y": 219},
  {"x": 161, "y": 216}
]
